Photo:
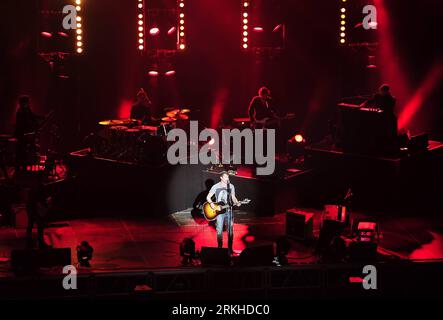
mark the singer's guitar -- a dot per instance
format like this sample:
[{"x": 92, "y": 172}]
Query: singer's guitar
[{"x": 219, "y": 208}]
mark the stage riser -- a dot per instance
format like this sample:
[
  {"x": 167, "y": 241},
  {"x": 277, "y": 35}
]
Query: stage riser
[{"x": 395, "y": 280}]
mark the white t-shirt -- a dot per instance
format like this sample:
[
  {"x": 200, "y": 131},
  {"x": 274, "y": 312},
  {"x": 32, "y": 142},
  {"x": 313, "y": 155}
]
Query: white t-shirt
[{"x": 221, "y": 192}]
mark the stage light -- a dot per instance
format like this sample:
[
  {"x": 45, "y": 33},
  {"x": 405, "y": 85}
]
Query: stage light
[
  {"x": 78, "y": 31},
  {"x": 342, "y": 25},
  {"x": 187, "y": 250},
  {"x": 245, "y": 21},
  {"x": 277, "y": 27},
  {"x": 298, "y": 138},
  {"x": 84, "y": 254},
  {"x": 153, "y": 73},
  {"x": 46, "y": 34},
  {"x": 367, "y": 231},
  {"x": 181, "y": 40},
  {"x": 154, "y": 31},
  {"x": 63, "y": 34},
  {"x": 170, "y": 73},
  {"x": 258, "y": 29},
  {"x": 172, "y": 30},
  {"x": 141, "y": 25}
]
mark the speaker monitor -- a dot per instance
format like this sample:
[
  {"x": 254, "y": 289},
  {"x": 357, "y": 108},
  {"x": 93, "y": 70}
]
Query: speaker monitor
[
  {"x": 211, "y": 256},
  {"x": 262, "y": 255},
  {"x": 362, "y": 251},
  {"x": 329, "y": 231},
  {"x": 299, "y": 224},
  {"x": 33, "y": 259}
]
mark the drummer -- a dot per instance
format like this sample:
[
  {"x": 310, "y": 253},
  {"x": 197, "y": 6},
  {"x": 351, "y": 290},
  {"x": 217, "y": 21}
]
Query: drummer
[{"x": 141, "y": 110}]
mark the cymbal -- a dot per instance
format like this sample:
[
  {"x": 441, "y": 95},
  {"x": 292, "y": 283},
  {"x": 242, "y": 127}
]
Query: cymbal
[
  {"x": 116, "y": 122},
  {"x": 171, "y": 114},
  {"x": 182, "y": 116},
  {"x": 169, "y": 119}
]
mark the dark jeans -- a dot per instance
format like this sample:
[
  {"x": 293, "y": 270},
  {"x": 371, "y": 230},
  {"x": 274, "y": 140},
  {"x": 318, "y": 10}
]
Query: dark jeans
[
  {"x": 227, "y": 217},
  {"x": 35, "y": 218}
]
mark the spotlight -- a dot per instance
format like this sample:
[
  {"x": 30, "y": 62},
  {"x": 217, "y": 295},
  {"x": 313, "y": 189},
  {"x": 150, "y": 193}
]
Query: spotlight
[
  {"x": 154, "y": 31},
  {"x": 171, "y": 30},
  {"x": 258, "y": 29},
  {"x": 187, "y": 250},
  {"x": 170, "y": 73},
  {"x": 46, "y": 34},
  {"x": 153, "y": 73},
  {"x": 63, "y": 34},
  {"x": 84, "y": 254},
  {"x": 277, "y": 27},
  {"x": 299, "y": 138}
]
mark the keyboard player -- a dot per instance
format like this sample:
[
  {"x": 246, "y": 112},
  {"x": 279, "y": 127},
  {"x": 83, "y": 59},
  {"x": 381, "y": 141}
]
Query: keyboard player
[{"x": 382, "y": 100}]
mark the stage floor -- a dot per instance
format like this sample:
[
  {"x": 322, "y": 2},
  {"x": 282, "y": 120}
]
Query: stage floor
[{"x": 122, "y": 244}]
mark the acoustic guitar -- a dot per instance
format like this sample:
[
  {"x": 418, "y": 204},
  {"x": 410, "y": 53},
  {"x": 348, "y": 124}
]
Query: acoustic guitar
[{"x": 219, "y": 208}]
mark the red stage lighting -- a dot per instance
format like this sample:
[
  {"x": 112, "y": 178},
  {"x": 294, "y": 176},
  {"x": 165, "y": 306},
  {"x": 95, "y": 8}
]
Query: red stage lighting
[
  {"x": 154, "y": 31},
  {"x": 170, "y": 73},
  {"x": 153, "y": 73},
  {"x": 140, "y": 25},
  {"x": 277, "y": 27},
  {"x": 258, "y": 29},
  {"x": 299, "y": 138},
  {"x": 171, "y": 30},
  {"x": 46, "y": 34},
  {"x": 63, "y": 34}
]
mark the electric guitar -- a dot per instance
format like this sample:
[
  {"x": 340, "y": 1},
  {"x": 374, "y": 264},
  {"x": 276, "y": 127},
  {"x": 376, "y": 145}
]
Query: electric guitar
[{"x": 219, "y": 208}]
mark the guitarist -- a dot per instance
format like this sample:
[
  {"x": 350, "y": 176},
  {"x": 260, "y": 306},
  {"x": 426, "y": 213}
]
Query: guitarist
[
  {"x": 27, "y": 122},
  {"x": 260, "y": 108},
  {"x": 224, "y": 191}
]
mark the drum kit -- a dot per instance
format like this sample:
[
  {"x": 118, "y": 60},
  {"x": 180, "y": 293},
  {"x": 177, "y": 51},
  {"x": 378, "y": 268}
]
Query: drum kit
[{"x": 130, "y": 141}]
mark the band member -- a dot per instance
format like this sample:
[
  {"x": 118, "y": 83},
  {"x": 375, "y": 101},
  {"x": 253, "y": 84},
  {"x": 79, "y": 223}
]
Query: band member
[
  {"x": 37, "y": 208},
  {"x": 260, "y": 107},
  {"x": 384, "y": 101},
  {"x": 224, "y": 191},
  {"x": 141, "y": 110},
  {"x": 27, "y": 122}
]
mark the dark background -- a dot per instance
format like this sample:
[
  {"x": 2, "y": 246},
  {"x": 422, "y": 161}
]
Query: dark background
[{"x": 213, "y": 75}]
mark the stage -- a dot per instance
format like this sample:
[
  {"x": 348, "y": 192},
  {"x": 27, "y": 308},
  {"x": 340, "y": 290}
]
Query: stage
[{"x": 146, "y": 250}]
